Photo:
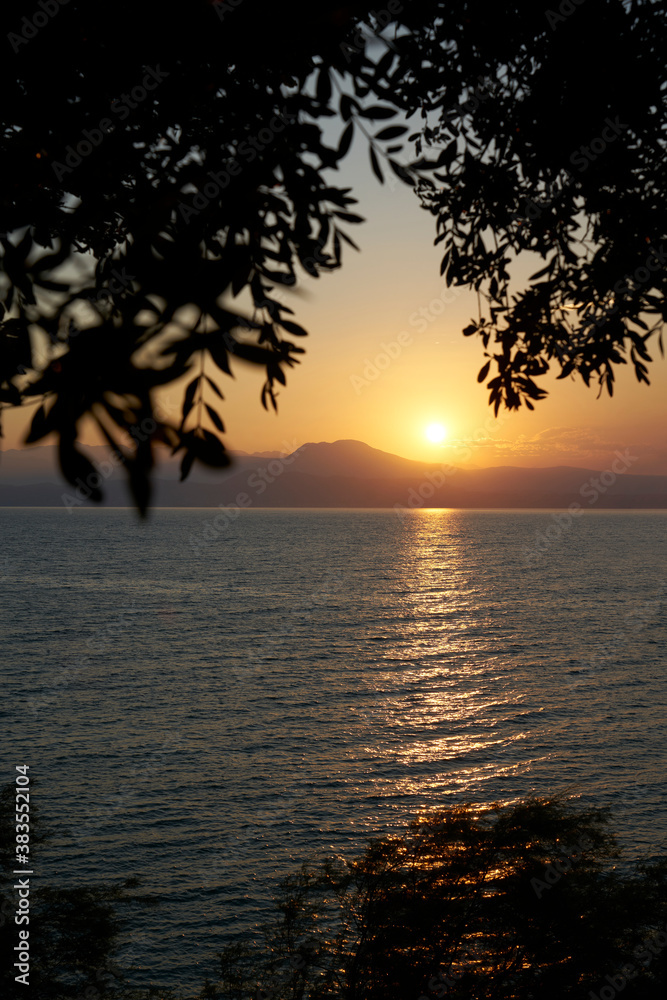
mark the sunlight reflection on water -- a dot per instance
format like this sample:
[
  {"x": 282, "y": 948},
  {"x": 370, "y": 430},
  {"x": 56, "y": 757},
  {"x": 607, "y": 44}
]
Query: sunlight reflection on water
[{"x": 206, "y": 723}]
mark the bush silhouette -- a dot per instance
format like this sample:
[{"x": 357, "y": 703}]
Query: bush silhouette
[{"x": 506, "y": 902}]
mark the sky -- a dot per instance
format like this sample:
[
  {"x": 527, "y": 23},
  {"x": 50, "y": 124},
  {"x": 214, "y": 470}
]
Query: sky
[
  {"x": 386, "y": 359},
  {"x": 356, "y": 313}
]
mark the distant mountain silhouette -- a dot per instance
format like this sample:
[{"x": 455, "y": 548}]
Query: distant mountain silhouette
[
  {"x": 343, "y": 474},
  {"x": 353, "y": 458}
]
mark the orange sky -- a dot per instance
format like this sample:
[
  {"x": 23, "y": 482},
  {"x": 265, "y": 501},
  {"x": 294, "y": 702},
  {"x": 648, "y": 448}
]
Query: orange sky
[{"x": 377, "y": 296}]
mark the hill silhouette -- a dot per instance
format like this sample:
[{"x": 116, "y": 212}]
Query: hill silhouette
[{"x": 343, "y": 474}]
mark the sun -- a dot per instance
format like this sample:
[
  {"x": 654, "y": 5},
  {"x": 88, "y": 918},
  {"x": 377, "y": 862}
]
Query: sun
[{"x": 435, "y": 433}]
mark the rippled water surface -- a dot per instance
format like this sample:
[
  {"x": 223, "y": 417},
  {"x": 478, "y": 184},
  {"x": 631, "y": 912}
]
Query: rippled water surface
[{"x": 206, "y": 720}]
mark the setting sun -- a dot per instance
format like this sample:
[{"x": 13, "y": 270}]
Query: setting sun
[{"x": 436, "y": 433}]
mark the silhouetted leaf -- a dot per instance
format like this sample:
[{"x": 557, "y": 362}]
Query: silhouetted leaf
[
  {"x": 188, "y": 398},
  {"x": 209, "y": 449},
  {"x": 219, "y": 353},
  {"x": 347, "y": 106},
  {"x": 401, "y": 172},
  {"x": 215, "y": 418},
  {"x": 483, "y": 372},
  {"x": 214, "y": 387},
  {"x": 392, "y": 132},
  {"x": 140, "y": 486},
  {"x": 251, "y": 352},
  {"x": 377, "y": 111},
  {"x": 38, "y": 428},
  {"x": 186, "y": 464},
  {"x": 10, "y": 394},
  {"x": 345, "y": 140},
  {"x": 293, "y": 328},
  {"x": 347, "y": 239},
  {"x": 375, "y": 165},
  {"x": 384, "y": 65},
  {"x": 447, "y": 155},
  {"x": 349, "y": 217},
  {"x": 78, "y": 470}
]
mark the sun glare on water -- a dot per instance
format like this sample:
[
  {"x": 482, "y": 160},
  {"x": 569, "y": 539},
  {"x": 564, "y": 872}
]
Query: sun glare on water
[{"x": 435, "y": 433}]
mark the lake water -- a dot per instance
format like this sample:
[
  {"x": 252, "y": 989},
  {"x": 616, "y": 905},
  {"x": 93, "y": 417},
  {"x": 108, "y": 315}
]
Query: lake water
[{"x": 205, "y": 705}]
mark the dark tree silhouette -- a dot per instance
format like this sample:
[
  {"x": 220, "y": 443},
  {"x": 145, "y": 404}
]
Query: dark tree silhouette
[
  {"x": 511, "y": 902},
  {"x": 164, "y": 170}
]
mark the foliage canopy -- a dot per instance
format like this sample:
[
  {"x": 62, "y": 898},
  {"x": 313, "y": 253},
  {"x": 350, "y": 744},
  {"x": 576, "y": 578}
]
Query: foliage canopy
[{"x": 165, "y": 176}]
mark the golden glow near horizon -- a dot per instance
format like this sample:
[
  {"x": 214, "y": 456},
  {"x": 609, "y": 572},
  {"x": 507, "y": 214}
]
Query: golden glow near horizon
[
  {"x": 435, "y": 433},
  {"x": 386, "y": 359}
]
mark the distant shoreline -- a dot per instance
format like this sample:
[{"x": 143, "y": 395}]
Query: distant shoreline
[
  {"x": 346, "y": 475},
  {"x": 377, "y": 510}
]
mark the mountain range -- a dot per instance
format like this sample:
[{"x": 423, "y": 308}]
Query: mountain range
[{"x": 339, "y": 474}]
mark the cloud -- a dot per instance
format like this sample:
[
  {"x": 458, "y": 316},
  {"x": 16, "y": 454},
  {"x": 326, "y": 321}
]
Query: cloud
[
  {"x": 585, "y": 447},
  {"x": 576, "y": 442}
]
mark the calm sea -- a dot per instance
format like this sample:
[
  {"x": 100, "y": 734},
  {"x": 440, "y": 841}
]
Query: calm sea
[{"x": 206, "y": 704}]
